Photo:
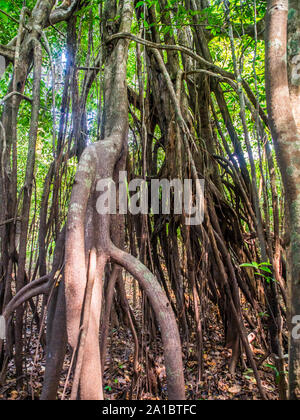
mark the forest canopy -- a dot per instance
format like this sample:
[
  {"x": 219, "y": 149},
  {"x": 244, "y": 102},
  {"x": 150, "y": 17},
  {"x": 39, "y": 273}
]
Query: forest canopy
[{"x": 150, "y": 199}]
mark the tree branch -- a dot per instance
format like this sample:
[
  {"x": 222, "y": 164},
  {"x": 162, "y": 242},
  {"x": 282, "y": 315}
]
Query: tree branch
[
  {"x": 7, "y": 52},
  {"x": 61, "y": 13},
  {"x": 208, "y": 65}
]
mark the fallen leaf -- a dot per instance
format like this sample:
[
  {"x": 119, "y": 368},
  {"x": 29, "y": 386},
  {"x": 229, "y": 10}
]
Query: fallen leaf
[{"x": 236, "y": 389}]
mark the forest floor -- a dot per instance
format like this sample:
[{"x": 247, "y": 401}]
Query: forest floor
[{"x": 121, "y": 382}]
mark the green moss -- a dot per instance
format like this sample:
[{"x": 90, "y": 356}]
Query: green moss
[
  {"x": 294, "y": 47},
  {"x": 88, "y": 183},
  {"x": 292, "y": 13},
  {"x": 295, "y": 236},
  {"x": 290, "y": 170},
  {"x": 295, "y": 210}
]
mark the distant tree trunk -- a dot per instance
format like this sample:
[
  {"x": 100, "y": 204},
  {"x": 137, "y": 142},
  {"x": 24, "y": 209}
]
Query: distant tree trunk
[{"x": 283, "y": 107}]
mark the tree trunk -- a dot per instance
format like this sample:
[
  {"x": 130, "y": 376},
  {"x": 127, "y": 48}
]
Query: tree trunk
[{"x": 283, "y": 105}]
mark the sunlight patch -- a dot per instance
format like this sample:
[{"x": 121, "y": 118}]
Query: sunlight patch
[{"x": 2, "y": 65}]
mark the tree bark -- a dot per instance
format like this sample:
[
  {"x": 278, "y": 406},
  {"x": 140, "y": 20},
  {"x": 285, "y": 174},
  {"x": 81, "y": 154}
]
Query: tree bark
[
  {"x": 286, "y": 136},
  {"x": 87, "y": 229}
]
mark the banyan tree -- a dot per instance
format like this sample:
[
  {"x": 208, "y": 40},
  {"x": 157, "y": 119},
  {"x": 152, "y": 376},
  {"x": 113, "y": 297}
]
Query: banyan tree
[{"x": 158, "y": 90}]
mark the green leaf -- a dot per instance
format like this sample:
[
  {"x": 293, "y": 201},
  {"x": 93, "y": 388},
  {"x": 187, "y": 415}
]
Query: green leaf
[
  {"x": 266, "y": 269},
  {"x": 251, "y": 265}
]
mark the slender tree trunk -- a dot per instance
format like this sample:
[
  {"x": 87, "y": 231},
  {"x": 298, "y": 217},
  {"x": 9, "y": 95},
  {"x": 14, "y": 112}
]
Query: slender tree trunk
[{"x": 282, "y": 107}]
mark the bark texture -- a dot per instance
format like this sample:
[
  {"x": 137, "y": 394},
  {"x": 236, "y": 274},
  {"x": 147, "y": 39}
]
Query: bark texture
[{"x": 283, "y": 105}]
